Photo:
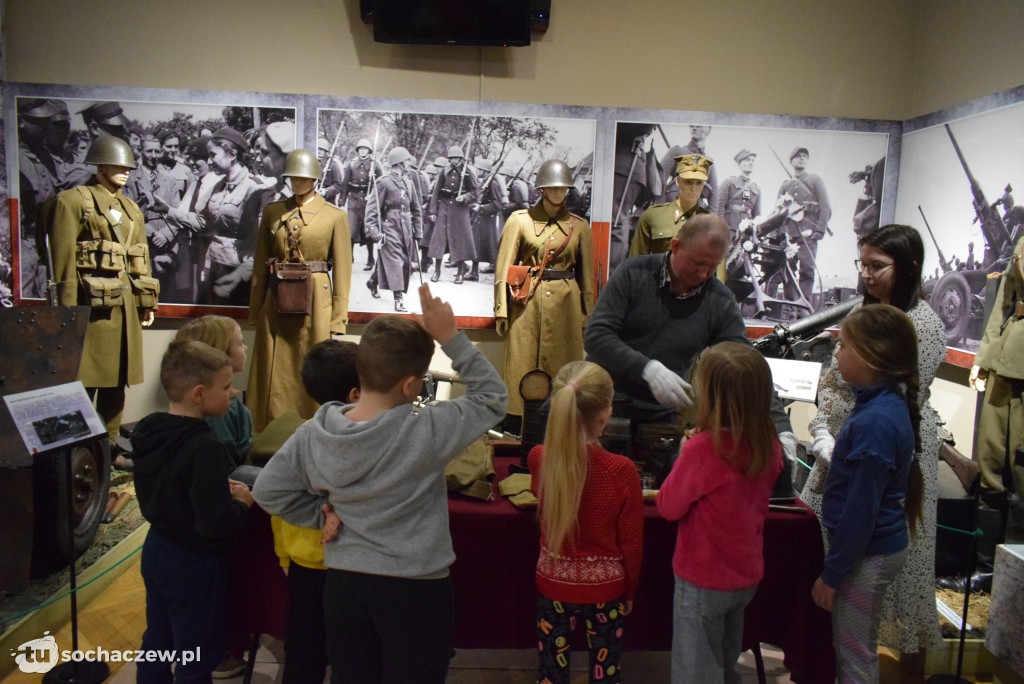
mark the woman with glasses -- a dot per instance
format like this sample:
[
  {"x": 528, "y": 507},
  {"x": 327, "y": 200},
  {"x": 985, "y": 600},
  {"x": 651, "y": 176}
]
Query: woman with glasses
[{"x": 890, "y": 264}]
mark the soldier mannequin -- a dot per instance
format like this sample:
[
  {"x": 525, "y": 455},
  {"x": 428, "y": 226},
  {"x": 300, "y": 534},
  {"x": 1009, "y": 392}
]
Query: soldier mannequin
[
  {"x": 457, "y": 187},
  {"x": 659, "y": 224},
  {"x": 697, "y": 145},
  {"x": 359, "y": 175},
  {"x": 394, "y": 219},
  {"x": 998, "y": 371},
  {"x": 98, "y": 210},
  {"x": 321, "y": 234},
  {"x": 546, "y": 331}
]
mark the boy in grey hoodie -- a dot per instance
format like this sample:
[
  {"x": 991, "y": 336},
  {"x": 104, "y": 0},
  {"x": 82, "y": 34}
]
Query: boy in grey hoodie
[{"x": 380, "y": 464}]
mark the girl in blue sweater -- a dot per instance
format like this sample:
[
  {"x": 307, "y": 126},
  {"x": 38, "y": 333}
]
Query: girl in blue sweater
[{"x": 874, "y": 486}]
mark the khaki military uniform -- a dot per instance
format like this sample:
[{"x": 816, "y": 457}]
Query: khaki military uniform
[
  {"x": 547, "y": 331},
  {"x": 1001, "y": 426},
  {"x": 112, "y": 352},
  {"x": 658, "y": 225},
  {"x": 282, "y": 340}
]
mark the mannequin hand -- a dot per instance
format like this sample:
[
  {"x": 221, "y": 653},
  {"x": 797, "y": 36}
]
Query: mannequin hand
[
  {"x": 978, "y": 379},
  {"x": 501, "y": 325},
  {"x": 824, "y": 443},
  {"x": 789, "y": 445},
  {"x": 148, "y": 317},
  {"x": 668, "y": 388}
]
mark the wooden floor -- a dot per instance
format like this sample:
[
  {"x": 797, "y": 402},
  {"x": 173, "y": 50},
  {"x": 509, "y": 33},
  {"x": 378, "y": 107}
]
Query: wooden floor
[{"x": 117, "y": 618}]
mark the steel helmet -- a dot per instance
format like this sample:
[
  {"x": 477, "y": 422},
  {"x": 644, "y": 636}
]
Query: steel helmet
[
  {"x": 302, "y": 164},
  {"x": 554, "y": 173},
  {"x": 365, "y": 143},
  {"x": 456, "y": 151},
  {"x": 111, "y": 151},
  {"x": 484, "y": 165},
  {"x": 441, "y": 162},
  {"x": 398, "y": 155}
]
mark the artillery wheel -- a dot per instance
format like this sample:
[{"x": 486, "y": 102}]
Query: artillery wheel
[
  {"x": 90, "y": 482},
  {"x": 951, "y": 299}
]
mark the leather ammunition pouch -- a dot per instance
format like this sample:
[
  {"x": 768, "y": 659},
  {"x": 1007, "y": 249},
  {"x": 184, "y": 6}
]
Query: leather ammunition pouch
[
  {"x": 294, "y": 284},
  {"x": 522, "y": 281},
  {"x": 101, "y": 293},
  {"x": 146, "y": 290}
]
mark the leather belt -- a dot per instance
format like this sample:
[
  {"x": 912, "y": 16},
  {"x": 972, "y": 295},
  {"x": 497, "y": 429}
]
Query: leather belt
[{"x": 550, "y": 274}]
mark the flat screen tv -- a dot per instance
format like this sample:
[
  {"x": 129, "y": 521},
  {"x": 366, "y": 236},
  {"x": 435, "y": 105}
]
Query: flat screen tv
[{"x": 452, "y": 22}]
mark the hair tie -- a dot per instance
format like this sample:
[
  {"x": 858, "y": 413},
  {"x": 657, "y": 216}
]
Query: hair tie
[{"x": 575, "y": 387}]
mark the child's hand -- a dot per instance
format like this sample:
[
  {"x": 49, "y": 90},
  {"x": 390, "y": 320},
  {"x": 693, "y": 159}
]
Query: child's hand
[
  {"x": 627, "y": 607},
  {"x": 823, "y": 595},
  {"x": 438, "y": 319},
  {"x": 240, "y": 492},
  {"x": 332, "y": 524}
]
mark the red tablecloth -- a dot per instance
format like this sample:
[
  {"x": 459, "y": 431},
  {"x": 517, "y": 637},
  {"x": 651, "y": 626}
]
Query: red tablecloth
[{"x": 496, "y": 549}]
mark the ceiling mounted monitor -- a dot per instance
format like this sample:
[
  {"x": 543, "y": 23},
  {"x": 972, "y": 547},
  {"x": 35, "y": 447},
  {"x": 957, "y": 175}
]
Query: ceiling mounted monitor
[{"x": 453, "y": 22}]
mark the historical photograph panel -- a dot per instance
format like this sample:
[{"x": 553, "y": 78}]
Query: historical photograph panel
[
  {"x": 463, "y": 174},
  {"x": 795, "y": 201},
  {"x": 956, "y": 184},
  {"x": 203, "y": 174}
]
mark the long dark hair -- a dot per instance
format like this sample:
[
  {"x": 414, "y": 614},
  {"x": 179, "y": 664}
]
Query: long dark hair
[
  {"x": 885, "y": 339},
  {"x": 906, "y": 248}
]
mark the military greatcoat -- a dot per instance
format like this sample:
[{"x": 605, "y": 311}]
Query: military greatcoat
[
  {"x": 402, "y": 228},
  {"x": 116, "y": 218},
  {"x": 282, "y": 340},
  {"x": 547, "y": 331},
  {"x": 455, "y": 189}
]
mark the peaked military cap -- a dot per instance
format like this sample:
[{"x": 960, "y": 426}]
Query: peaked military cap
[
  {"x": 797, "y": 151},
  {"x": 109, "y": 113},
  {"x": 693, "y": 166},
  {"x": 743, "y": 154}
]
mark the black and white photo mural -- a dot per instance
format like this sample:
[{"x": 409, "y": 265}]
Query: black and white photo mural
[
  {"x": 795, "y": 200},
  {"x": 957, "y": 182},
  {"x": 466, "y": 175},
  {"x": 203, "y": 173}
]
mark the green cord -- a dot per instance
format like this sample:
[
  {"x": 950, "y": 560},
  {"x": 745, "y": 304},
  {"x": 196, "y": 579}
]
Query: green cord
[
  {"x": 975, "y": 533},
  {"x": 54, "y": 599}
]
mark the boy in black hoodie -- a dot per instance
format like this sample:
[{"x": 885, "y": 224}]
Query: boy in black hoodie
[{"x": 194, "y": 510}]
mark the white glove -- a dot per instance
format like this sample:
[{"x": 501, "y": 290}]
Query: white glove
[
  {"x": 668, "y": 388},
  {"x": 789, "y": 445},
  {"x": 979, "y": 376},
  {"x": 824, "y": 443}
]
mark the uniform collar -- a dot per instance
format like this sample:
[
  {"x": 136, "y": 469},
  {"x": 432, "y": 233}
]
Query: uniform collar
[
  {"x": 306, "y": 211},
  {"x": 541, "y": 219}
]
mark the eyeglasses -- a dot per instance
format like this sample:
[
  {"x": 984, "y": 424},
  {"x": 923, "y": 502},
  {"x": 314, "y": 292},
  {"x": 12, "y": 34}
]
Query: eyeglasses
[{"x": 872, "y": 267}]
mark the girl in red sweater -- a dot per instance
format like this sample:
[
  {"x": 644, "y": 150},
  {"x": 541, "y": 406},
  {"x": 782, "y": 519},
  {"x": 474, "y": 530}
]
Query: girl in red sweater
[
  {"x": 718, "y": 490},
  {"x": 591, "y": 519}
]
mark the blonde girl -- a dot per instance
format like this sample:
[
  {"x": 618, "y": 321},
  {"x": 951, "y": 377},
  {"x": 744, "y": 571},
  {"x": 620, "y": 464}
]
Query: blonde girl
[
  {"x": 718, "y": 490},
  {"x": 234, "y": 428},
  {"x": 874, "y": 486},
  {"x": 591, "y": 520}
]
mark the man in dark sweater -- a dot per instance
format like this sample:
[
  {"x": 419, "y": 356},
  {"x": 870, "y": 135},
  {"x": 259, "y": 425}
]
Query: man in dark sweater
[
  {"x": 194, "y": 511},
  {"x": 657, "y": 313}
]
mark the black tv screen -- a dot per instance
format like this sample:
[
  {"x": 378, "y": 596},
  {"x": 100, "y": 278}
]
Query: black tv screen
[{"x": 452, "y": 22}]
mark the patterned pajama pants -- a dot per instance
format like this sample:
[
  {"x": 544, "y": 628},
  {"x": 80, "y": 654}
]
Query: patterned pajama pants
[{"x": 556, "y": 623}]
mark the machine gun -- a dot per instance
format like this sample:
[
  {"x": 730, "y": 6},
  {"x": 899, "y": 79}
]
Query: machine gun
[
  {"x": 997, "y": 237},
  {"x": 802, "y": 339}
]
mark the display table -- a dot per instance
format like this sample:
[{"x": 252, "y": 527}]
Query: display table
[{"x": 496, "y": 548}]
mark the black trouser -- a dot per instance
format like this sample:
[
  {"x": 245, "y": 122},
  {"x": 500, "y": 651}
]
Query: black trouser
[
  {"x": 305, "y": 645},
  {"x": 387, "y": 630}
]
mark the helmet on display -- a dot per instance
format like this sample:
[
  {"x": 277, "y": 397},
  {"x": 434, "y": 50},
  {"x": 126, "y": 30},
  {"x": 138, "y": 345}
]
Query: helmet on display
[
  {"x": 456, "y": 151},
  {"x": 302, "y": 164},
  {"x": 398, "y": 155},
  {"x": 554, "y": 173},
  {"x": 365, "y": 143},
  {"x": 110, "y": 151}
]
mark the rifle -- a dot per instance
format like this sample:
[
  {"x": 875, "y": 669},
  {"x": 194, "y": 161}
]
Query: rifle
[
  {"x": 465, "y": 160},
  {"x": 373, "y": 181},
  {"x": 51, "y": 283},
  {"x": 330, "y": 157},
  {"x": 946, "y": 266},
  {"x": 790, "y": 176},
  {"x": 426, "y": 151},
  {"x": 997, "y": 237}
]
